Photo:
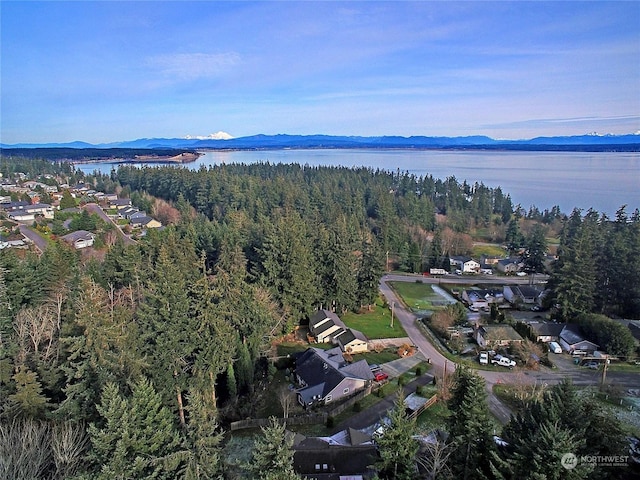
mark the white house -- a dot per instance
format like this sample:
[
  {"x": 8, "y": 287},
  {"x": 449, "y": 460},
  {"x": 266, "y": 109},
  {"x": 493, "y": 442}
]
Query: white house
[
  {"x": 465, "y": 264},
  {"x": 79, "y": 239}
]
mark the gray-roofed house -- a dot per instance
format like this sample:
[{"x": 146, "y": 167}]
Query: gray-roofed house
[
  {"x": 323, "y": 324},
  {"x": 526, "y": 294},
  {"x": 144, "y": 221},
  {"x": 547, "y": 331},
  {"x": 571, "y": 338},
  {"x": 324, "y": 376},
  {"x": 120, "y": 203},
  {"x": 496, "y": 336},
  {"x": 509, "y": 265},
  {"x": 482, "y": 298},
  {"x": 327, "y": 327},
  {"x": 351, "y": 341},
  {"x": 80, "y": 239},
  {"x": 349, "y": 454}
]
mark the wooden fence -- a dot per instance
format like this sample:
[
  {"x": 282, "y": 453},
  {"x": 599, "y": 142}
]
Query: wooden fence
[
  {"x": 307, "y": 419},
  {"x": 422, "y": 408}
]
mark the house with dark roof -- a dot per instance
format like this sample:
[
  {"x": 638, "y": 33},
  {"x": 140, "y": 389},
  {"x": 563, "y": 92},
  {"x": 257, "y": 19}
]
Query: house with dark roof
[
  {"x": 349, "y": 454},
  {"x": 323, "y": 324},
  {"x": 120, "y": 203},
  {"x": 79, "y": 239},
  {"x": 325, "y": 376},
  {"x": 144, "y": 221},
  {"x": 351, "y": 341},
  {"x": 522, "y": 294},
  {"x": 546, "y": 331},
  {"x": 509, "y": 265},
  {"x": 28, "y": 212},
  {"x": 498, "y": 335},
  {"x": 571, "y": 338},
  {"x": 479, "y": 298},
  {"x": 327, "y": 327}
]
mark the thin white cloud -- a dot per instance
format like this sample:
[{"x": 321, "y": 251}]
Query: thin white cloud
[
  {"x": 544, "y": 122},
  {"x": 193, "y": 66}
]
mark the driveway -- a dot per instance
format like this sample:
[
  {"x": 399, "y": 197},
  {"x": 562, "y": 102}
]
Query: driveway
[{"x": 38, "y": 241}]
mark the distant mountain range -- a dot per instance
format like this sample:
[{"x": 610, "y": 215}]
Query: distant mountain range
[{"x": 590, "y": 142}]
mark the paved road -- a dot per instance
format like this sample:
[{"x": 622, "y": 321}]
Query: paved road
[
  {"x": 440, "y": 362},
  {"x": 95, "y": 208},
  {"x": 37, "y": 240}
]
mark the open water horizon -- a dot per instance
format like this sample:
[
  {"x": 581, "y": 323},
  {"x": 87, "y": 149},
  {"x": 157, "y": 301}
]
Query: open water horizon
[{"x": 603, "y": 181}]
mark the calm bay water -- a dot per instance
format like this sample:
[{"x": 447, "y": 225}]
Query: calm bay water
[{"x": 602, "y": 181}]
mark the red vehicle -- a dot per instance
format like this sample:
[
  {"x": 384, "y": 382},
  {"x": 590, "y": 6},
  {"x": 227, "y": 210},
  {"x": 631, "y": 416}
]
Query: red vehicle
[{"x": 379, "y": 376}]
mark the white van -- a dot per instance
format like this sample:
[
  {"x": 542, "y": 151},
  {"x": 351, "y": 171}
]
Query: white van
[{"x": 554, "y": 347}]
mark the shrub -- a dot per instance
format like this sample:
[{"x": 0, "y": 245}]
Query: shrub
[
  {"x": 330, "y": 421},
  {"x": 357, "y": 407}
]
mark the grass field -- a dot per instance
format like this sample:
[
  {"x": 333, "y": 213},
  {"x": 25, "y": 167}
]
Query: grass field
[
  {"x": 374, "y": 324},
  {"x": 488, "y": 250},
  {"x": 418, "y": 296}
]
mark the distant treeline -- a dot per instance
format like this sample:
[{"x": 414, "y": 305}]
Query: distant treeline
[{"x": 86, "y": 154}]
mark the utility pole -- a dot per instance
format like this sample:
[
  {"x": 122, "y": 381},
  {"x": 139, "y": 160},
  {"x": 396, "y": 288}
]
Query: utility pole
[
  {"x": 604, "y": 373},
  {"x": 393, "y": 304},
  {"x": 387, "y": 261}
]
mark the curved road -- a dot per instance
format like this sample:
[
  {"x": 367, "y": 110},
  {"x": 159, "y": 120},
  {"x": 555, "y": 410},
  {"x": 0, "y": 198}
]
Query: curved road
[
  {"x": 95, "y": 208},
  {"x": 409, "y": 321}
]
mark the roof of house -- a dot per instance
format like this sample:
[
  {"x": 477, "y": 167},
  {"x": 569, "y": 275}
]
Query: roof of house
[
  {"x": 143, "y": 220},
  {"x": 509, "y": 261},
  {"x": 526, "y": 291},
  {"x": 347, "y": 453},
  {"x": 572, "y": 334},
  {"x": 323, "y": 370},
  {"x": 462, "y": 259},
  {"x": 547, "y": 329},
  {"x": 348, "y": 336},
  {"x": 322, "y": 315},
  {"x": 634, "y": 326},
  {"x": 499, "y": 332},
  {"x": 78, "y": 235}
]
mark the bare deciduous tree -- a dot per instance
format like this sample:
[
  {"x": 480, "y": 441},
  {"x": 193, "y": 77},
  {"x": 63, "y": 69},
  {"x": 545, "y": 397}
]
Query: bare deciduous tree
[
  {"x": 285, "y": 398},
  {"x": 68, "y": 443},
  {"x": 25, "y": 449},
  {"x": 433, "y": 457},
  {"x": 37, "y": 330}
]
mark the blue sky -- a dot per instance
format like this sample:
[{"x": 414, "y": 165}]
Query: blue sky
[{"x": 110, "y": 71}]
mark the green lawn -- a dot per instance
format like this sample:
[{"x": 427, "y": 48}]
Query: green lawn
[
  {"x": 374, "y": 324},
  {"x": 374, "y": 358},
  {"x": 289, "y": 348},
  {"x": 488, "y": 250},
  {"x": 418, "y": 296},
  {"x": 434, "y": 417}
]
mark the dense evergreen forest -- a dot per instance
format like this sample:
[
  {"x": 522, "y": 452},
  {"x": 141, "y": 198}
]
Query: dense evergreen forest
[{"x": 128, "y": 363}]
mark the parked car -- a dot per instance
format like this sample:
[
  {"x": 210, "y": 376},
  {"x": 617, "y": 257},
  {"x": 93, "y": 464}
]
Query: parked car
[
  {"x": 555, "y": 347},
  {"x": 484, "y": 358},
  {"x": 504, "y": 362},
  {"x": 380, "y": 376}
]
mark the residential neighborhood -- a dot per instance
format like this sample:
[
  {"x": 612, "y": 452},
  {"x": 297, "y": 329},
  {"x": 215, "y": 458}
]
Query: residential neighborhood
[{"x": 20, "y": 204}]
